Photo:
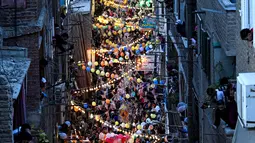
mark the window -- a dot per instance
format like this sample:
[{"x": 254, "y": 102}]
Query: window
[
  {"x": 247, "y": 13},
  {"x": 12, "y": 3},
  {"x": 205, "y": 48}
]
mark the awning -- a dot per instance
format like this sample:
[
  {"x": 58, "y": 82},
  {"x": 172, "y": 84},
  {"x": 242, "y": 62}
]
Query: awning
[{"x": 15, "y": 70}]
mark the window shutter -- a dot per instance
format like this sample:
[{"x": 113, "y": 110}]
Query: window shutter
[{"x": 244, "y": 14}]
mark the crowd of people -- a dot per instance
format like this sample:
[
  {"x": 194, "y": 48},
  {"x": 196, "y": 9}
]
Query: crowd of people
[
  {"x": 128, "y": 108},
  {"x": 222, "y": 99}
]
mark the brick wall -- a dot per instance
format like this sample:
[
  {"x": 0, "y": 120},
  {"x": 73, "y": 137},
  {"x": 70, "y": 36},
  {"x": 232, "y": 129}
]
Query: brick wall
[
  {"x": 33, "y": 81},
  {"x": 245, "y": 57},
  {"x": 6, "y": 111},
  {"x": 24, "y": 16},
  {"x": 220, "y": 26}
]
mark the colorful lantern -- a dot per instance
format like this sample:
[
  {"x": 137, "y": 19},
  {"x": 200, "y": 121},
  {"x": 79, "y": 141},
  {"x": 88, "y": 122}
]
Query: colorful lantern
[
  {"x": 102, "y": 73},
  {"x": 85, "y": 105},
  {"x": 89, "y": 63},
  {"x": 98, "y": 72},
  {"x": 94, "y": 103},
  {"x": 96, "y": 63},
  {"x": 88, "y": 69},
  {"x": 83, "y": 67},
  {"x": 107, "y": 74},
  {"x": 139, "y": 127},
  {"x": 107, "y": 101}
]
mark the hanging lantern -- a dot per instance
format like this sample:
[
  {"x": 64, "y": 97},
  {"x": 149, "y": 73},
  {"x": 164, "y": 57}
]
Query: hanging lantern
[
  {"x": 121, "y": 59},
  {"x": 139, "y": 127},
  {"x": 133, "y": 48},
  {"x": 102, "y": 63},
  {"x": 83, "y": 67},
  {"x": 106, "y": 63},
  {"x": 122, "y": 54},
  {"x": 107, "y": 101},
  {"x": 97, "y": 117},
  {"x": 127, "y": 125},
  {"x": 76, "y": 108},
  {"x": 94, "y": 103},
  {"x": 107, "y": 74},
  {"x": 85, "y": 105},
  {"x": 123, "y": 125},
  {"x": 116, "y": 123},
  {"x": 102, "y": 73},
  {"x": 89, "y": 63},
  {"x": 98, "y": 72},
  {"x": 127, "y": 96},
  {"x": 88, "y": 69},
  {"x": 139, "y": 80},
  {"x": 92, "y": 70},
  {"x": 109, "y": 33},
  {"x": 126, "y": 57},
  {"x": 96, "y": 63},
  {"x": 153, "y": 116}
]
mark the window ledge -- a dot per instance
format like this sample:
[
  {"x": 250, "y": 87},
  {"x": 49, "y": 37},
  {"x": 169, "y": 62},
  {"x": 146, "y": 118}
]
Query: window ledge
[{"x": 227, "y": 5}]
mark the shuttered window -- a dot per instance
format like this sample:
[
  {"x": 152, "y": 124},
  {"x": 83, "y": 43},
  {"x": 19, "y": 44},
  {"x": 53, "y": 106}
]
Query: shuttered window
[
  {"x": 205, "y": 49},
  {"x": 12, "y": 3}
]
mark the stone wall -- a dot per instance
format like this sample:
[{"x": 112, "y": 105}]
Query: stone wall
[
  {"x": 33, "y": 76},
  {"x": 24, "y": 15},
  {"x": 6, "y": 111},
  {"x": 221, "y": 26}
]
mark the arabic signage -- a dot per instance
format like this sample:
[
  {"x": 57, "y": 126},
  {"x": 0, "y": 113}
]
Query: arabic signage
[{"x": 148, "y": 23}]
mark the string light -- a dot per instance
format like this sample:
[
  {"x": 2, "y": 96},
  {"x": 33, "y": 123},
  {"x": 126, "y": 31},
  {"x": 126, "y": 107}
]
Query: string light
[
  {"x": 100, "y": 120},
  {"x": 94, "y": 88},
  {"x": 134, "y": 42},
  {"x": 113, "y": 4}
]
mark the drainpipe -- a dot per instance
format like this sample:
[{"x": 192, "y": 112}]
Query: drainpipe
[{"x": 15, "y": 19}]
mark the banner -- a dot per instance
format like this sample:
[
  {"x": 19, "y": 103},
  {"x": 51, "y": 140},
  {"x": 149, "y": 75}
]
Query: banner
[{"x": 145, "y": 63}]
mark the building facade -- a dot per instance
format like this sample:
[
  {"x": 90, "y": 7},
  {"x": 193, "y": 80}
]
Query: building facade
[{"x": 214, "y": 55}]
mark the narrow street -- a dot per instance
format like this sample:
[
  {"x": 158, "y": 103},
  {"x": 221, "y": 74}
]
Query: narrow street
[{"x": 127, "y": 71}]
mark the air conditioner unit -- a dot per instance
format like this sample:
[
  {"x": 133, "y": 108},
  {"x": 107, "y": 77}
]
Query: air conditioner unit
[{"x": 246, "y": 99}]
